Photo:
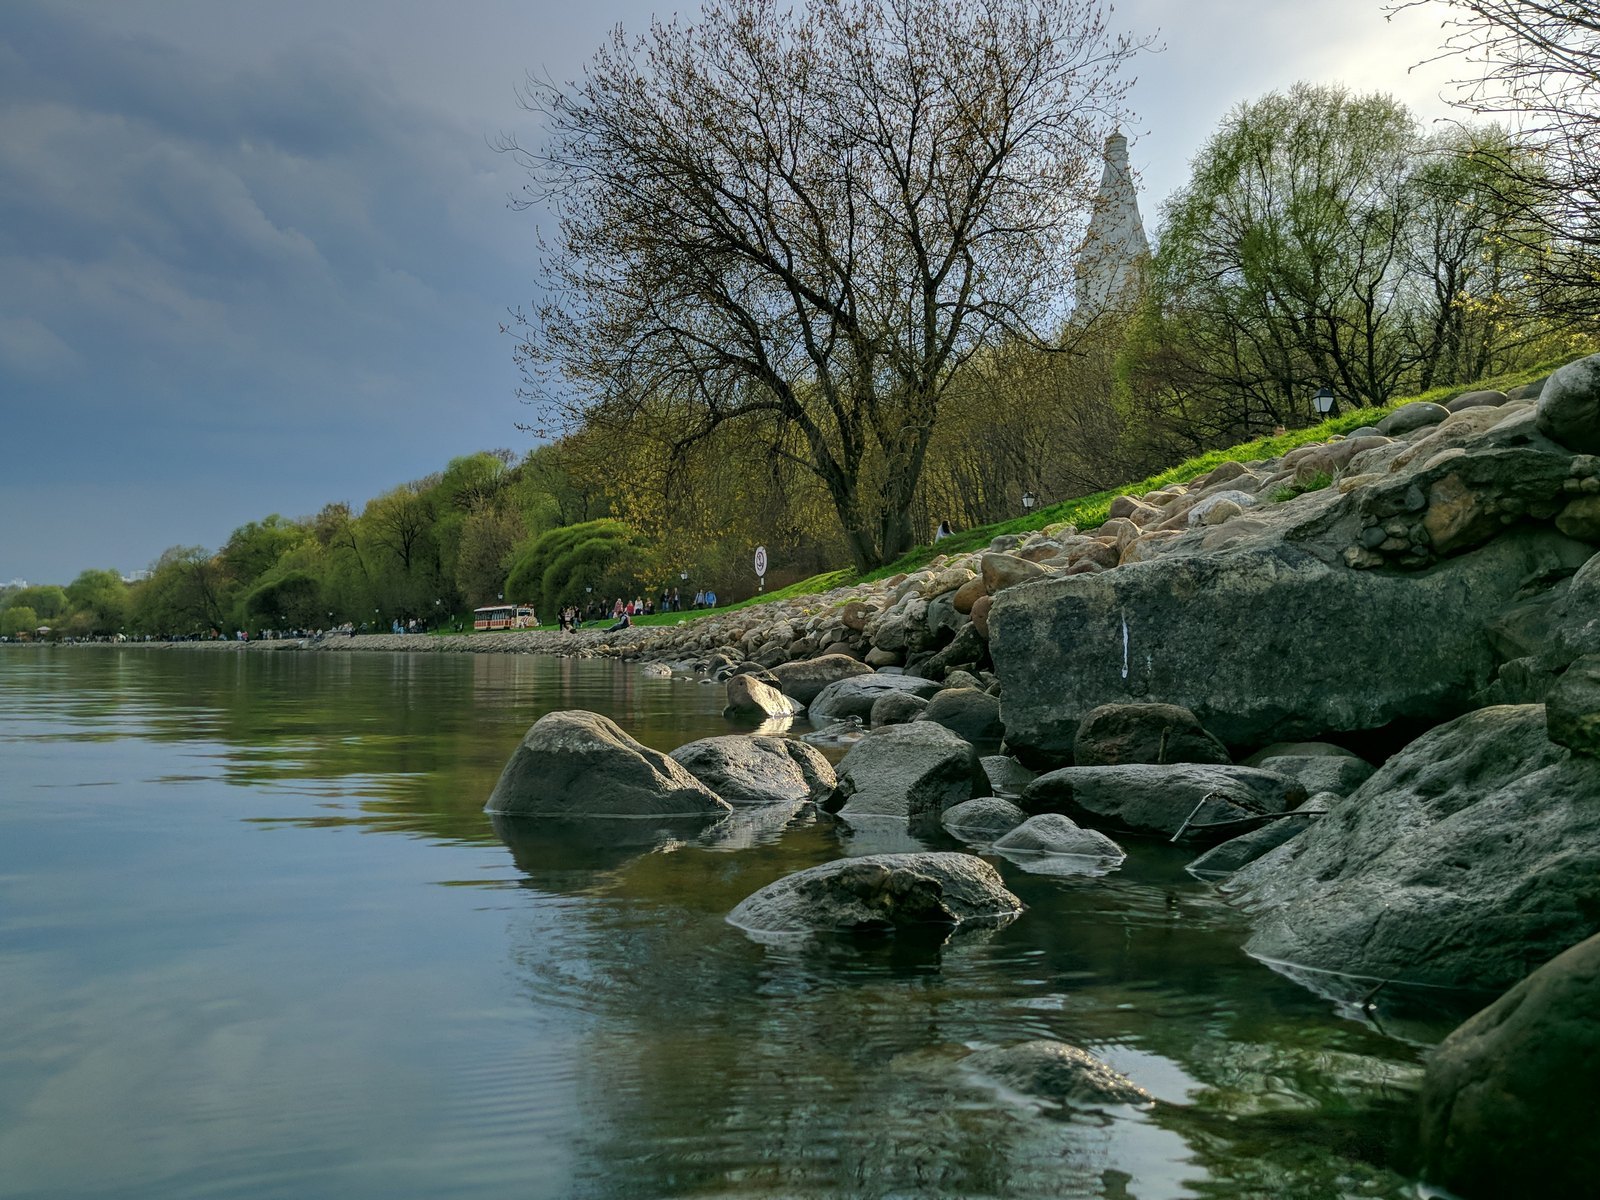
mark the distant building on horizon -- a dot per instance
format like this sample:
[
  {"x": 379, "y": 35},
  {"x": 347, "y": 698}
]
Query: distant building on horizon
[{"x": 1110, "y": 267}]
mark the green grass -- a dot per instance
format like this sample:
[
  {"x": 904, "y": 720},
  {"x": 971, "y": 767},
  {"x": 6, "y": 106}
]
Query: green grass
[{"x": 1090, "y": 512}]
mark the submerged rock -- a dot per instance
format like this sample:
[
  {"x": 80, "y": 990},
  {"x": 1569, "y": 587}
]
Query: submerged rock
[
  {"x": 755, "y": 769},
  {"x": 1144, "y": 798},
  {"x": 1053, "y": 833},
  {"x": 853, "y": 697},
  {"x": 1057, "y": 1072},
  {"x": 575, "y": 763},
  {"x": 1509, "y": 1098},
  {"x": 983, "y": 819},
  {"x": 880, "y": 893},
  {"x": 1471, "y": 857}
]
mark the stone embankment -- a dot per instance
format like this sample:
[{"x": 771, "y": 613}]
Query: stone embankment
[{"x": 1363, "y": 678}]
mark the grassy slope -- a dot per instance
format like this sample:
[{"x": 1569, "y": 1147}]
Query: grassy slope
[{"x": 1089, "y": 512}]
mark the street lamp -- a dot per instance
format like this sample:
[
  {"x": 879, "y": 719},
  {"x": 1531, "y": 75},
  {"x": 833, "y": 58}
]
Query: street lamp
[
  {"x": 1028, "y": 501},
  {"x": 1323, "y": 402}
]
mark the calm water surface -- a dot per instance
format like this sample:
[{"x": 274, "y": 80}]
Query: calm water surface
[{"x": 257, "y": 939}]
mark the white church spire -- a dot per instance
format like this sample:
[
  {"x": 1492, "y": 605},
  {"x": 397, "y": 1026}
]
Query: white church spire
[{"x": 1110, "y": 263}]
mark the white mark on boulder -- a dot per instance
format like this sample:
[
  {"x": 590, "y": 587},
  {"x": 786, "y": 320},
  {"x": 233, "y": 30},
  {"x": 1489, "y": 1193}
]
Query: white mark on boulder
[{"x": 1124, "y": 643}]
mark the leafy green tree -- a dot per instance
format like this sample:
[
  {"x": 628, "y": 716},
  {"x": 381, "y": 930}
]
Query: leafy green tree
[
  {"x": 17, "y": 618},
  {"x": 188, "y": 592},
  {"x": 46, "y": 600},
  {"x": 812, "y": 217},
  {"x": 560, "y": 564},
  {"x": 101, "y": 598}
]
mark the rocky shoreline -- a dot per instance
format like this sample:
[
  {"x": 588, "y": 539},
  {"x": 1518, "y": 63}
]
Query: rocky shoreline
[{"x": 1362, "y": 681}]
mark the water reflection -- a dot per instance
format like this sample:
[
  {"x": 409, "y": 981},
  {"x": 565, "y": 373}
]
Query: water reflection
[{"x": 207, "y": 971}]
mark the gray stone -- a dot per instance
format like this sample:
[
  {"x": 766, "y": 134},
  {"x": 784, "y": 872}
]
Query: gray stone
[
  {"x": 880, "y": 893},
  {"x": 1057, "y": 1072},
  {"x": 1300, "y": 750},
  {"x": 1509, "y": 1098},
  {"x": 1197, "y": 630},
  {"x": 1229, "y": 856},
  {"x": 983, "y": 819},
  {"x": 1163, "y": 800},
  {"x": 1407, "y": 417},
  {"x": 896, "y": 708},
  {"x": 1483, "y": 398},
  {"x": 1471, "y": 857},
  {"x": 971, "y": 714},
  {"x": 1340, "y": 775},
  {"x": 1055, "y": 833},
  {"x": 911, "y": 772},
  {"x": 1569, "y": 406},
  {"x": 1572, "y": 707},
  {"x": 1143, "y": 733},
  {"x": 1006, "y": 775},
  {"x": 755, "y": 769},
  {"x": 580, "y": 764},
  {"x": 749, "y": 697},
  {"x": 805, "y": 679},
  {"x": 853, "y": 697}
]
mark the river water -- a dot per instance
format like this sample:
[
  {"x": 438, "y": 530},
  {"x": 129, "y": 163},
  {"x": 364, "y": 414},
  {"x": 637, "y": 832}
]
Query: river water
[{"x": 257, "y": 939}]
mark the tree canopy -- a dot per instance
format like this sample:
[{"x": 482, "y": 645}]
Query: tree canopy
[{"x": 813, "y": 217}]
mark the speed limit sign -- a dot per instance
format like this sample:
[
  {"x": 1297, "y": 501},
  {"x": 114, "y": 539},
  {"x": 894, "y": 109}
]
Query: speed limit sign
[{"x": 761, "y": 562}]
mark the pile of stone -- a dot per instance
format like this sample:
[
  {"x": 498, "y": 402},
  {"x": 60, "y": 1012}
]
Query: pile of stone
[{"x": 1362, "y": 681}]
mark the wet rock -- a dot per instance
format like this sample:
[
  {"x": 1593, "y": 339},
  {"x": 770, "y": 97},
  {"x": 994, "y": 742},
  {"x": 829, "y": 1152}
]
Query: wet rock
[
  {"x": 854, "y": 697},
  {"x": 1508, "y": 1100},
  {"x": 1469, "y": 858},
  {"x": 1054, "y": 833},
  {"x": 749, "y": 697},
  {"x": 575, "y": 763},
  {"x": 983, "y": 819},
  {"x": 896, "y": 708},
  {"x": 1163, "y": 800},
  {"x": 881, "y": 893},
  {"x": 1006, "y": 775},
  {"x": 1229, "y": 856},
  {"x": 804, "y": 680},
  {"x": 1055, "y": 1071},
  {"x": 1143, "y": 733},
  {"x": 756, "y": 769},
  {"x": 971, "y": 714},
  {"x": 913, "y": 772}
]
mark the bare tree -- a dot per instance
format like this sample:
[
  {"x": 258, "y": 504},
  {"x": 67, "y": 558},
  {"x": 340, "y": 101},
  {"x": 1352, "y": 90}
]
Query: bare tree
[
  {"x": 816, "y": 215},
  {"x": 1536, "y": 63}
]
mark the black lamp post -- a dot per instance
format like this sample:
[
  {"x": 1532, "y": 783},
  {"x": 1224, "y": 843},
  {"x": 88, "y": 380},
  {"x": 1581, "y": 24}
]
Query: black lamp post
[
  {"x": 1028, "y": 501},
  {"x": 1323, "y": 402}
]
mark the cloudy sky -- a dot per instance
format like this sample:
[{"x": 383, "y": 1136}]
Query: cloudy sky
[{"x": 254, "y": 257}]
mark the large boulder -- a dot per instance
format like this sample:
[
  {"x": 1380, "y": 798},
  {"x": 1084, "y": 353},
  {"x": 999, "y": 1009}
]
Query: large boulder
[
  {"x": 580, "y": 764},
  {"x": 853, "y": 697},
  {"x": 1143, "y": 733},
  {"x": 1569, "y": 405},
  {"x": 913, "y": 772},
  {"x": 1509, "y": 1098},
  {"x": 1057, "y": 1072},
  {"x": 896, "y": 708},
  {"x": 805, "y": 679},
  {"x": 1227, "y": 857},
  {"x": 1245, "y": 639},
  {"x": 880, "y": 893},
  {"x": 755, "y": 769},
  {"x": 749, "y": 697},
  {"x": 1471, "y": 857},
  {"x": 1198, "y": 800},
  {"x": 969, "y": 713}
]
